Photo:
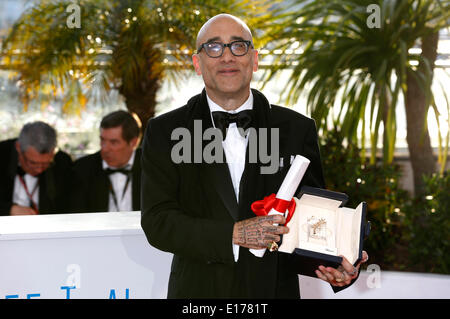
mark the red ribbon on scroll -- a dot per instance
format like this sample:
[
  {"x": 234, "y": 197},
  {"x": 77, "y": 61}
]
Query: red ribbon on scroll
[{"x": 264, "y": 206}]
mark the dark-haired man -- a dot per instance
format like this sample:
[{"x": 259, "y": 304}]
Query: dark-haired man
[
  {"x": 33, "y": 179},
  {"x": 109, "y": 180}
]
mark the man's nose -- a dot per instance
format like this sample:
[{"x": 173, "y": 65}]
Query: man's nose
[
  {"x": 105, "y": 147},
  {"x": 227, "y": 55},
  {"x": 40, "y": 169}
]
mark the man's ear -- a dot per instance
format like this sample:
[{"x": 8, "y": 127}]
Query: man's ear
[
  {"x": 18, "y": 147},
  {"x": 255, "y": 60},
  {"x": 196, "y": 63},
  {"x": 134, "y": 142}
]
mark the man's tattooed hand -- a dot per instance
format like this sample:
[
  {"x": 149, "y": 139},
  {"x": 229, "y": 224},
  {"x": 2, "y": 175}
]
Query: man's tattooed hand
[{"x": 258, "y": 232}]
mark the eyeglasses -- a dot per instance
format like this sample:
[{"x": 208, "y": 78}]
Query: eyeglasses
[
  {"x": 35, "y": 164},
  {"x": 215, "y": 49}
]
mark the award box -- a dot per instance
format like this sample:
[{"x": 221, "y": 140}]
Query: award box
[{"x": 321, "y": 229}]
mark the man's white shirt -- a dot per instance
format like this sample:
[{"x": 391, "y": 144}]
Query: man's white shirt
[
  {"x": 20, "y": 196},
  {"x": 118, "y": 182},
  {"x": 234, "y": 146}
]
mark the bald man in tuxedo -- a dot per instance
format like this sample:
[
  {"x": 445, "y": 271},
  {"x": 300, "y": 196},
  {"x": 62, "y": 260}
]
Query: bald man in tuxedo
[{"x": 199, "y": 210}]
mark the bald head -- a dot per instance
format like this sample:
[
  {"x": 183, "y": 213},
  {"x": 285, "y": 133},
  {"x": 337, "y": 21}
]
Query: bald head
[
  {"x": 227, "y": 76},
  {"x": 202, "y": 35}
]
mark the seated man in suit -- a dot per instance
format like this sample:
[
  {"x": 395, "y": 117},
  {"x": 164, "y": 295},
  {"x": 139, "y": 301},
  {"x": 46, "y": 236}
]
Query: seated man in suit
[
  {"x": 33, "y": 179},
  {"x": 199, "y": 210},
  {"x": 109, "y": 180}
]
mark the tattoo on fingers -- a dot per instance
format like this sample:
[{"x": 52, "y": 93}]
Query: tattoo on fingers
[
  {"x": 255, "y": 232},
  {"x": 270, "y": 229}
]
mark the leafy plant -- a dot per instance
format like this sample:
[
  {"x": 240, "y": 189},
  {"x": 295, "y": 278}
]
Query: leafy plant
[
  {"x": 127, "y": 45},
  {"x": 428, "y": 221},
  {"x": 364, "y": 71}
]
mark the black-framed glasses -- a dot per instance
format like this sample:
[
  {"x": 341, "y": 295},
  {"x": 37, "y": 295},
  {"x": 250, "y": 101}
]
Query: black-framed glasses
[
  {"x": 35, "y": 164},
  {"x": 215, "y": 49}
]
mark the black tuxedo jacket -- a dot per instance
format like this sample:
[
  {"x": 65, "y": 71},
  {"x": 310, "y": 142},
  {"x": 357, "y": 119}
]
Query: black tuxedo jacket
[
  {"x": 189, "y": 209},
  {"x": 90, "y": 188},
  {"x": 54, "y": 182}
]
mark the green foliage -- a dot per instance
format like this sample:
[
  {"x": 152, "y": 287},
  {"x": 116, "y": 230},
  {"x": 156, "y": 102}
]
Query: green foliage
[
  {"x": 127, "y": 45},
  {"x": 428, "y": 222},
  {"x": 359, "y": 70},
  {"x": 407, "y": 233}
]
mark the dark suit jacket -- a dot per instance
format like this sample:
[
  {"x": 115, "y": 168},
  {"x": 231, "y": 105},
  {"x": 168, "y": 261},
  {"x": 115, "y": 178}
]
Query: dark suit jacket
[
  {"x": 90, "y": 188},
  {"x": 54, "y": 182},
  {"x": 189, "y": 209}
]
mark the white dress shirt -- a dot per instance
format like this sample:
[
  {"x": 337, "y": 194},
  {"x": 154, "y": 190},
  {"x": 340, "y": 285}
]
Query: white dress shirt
[
  {"x": 20, "y": 196},
  {"x": 118, "y": 182},
  {"x": 234, "y": 146}
]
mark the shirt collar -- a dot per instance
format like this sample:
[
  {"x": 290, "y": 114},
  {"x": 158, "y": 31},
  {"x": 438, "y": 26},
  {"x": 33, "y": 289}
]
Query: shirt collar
[
  {"x": 129, "y": 164},
  {"x": 248, "y": 105},
  {"x": 213, "y": 106}
]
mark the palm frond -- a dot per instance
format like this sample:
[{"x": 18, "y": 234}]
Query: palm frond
[{"x": 366, "y": 68}]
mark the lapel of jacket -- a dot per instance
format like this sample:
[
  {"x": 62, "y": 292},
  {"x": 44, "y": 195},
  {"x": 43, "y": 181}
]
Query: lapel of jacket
[
  {"x": 47, "y": 191},
  {"x": 11, "y": 170},
  {"x": 217, "y": 175},
  {"x": 100, "y": 186},
  {"x": 252, "y": 184},
  {"x": 255, "y": 185},
  {"x": 136, "y": 180}
]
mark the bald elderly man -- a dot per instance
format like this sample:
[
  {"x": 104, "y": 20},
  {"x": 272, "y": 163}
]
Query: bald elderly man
[{"x": 196, "y": 203}]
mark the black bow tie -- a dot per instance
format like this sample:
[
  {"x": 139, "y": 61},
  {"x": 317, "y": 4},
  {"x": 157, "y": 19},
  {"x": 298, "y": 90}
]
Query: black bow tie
[
  {"x": 222, "y": 120},
  {"x": 122, "y": 170}
]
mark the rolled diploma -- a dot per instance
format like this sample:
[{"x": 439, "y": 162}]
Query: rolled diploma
[{"x": 287, "y": 189}]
